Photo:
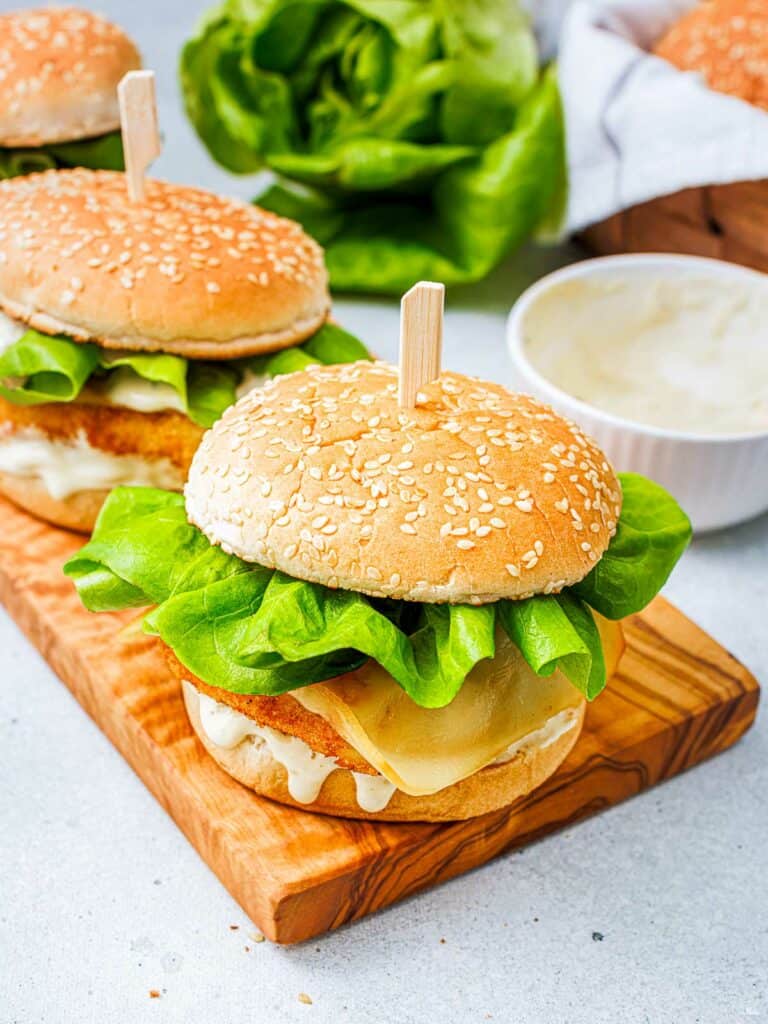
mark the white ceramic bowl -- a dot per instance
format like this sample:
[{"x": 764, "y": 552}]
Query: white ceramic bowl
[{"x": 719, "y": 479}]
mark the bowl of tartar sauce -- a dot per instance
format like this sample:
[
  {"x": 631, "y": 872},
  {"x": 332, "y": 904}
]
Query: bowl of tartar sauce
[{"x": 663, "y": 359}]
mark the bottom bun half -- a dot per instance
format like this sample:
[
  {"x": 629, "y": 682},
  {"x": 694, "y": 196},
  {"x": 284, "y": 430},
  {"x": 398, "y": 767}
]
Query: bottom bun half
[
  {"x": 76, "y": 512},
  {"x": 494, "y": 787},
  {"x": 60, "y": 461}
]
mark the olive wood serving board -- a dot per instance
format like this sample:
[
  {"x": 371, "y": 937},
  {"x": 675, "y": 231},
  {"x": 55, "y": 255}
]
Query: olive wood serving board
[{"x": 678, "y": 698}]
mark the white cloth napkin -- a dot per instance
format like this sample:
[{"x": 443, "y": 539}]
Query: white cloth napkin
[{"x": 637, "y": 127}]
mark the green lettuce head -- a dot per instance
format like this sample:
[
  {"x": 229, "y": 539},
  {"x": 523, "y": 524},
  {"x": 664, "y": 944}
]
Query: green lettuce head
[{"x": 413, "y": 139}]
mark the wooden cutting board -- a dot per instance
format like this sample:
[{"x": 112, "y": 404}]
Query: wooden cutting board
[{"x": 678, "y": 698}]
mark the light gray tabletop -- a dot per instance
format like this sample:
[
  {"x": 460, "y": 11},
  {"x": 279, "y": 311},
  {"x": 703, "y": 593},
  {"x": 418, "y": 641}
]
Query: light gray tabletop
[{"x": 655, "y": 911}]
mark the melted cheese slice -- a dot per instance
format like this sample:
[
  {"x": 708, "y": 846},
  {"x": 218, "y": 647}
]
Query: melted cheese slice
[{"x": 423, "y": 750}]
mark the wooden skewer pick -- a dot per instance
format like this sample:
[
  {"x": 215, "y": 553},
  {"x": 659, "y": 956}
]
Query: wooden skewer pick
[
  {"x": 421, "y": 339},
  {"x": 138, "y": 122}
]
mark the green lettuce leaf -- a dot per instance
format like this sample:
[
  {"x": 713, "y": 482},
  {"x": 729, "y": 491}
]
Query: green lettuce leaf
[
  {"x": 209, "y": 631},
  {"x": 41, "y": 368},
  {"x": 104, "y": 152},
  {"x": 14, "y": 162},
  {"x": 413, "y": 139},
  {"x": 45, "y": 368},
  {"x": 249, "y": 629},
  {"x": 557, "y": 632},
  {"x": 143, "y": 551},
  {"x": 253, "y": 630},
  {"x": 652, "y": 533},
  {"x": 329, "y": 345},
  {"x": 332, "y": 344},
  {"x": 266, "y": 632}
]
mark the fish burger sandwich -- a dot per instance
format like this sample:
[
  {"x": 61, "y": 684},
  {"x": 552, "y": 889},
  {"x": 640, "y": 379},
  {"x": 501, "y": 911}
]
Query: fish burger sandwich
[
  {"x": 128, "y": 328},
  {"x": 389, "y": 613},
  {"x": 58, "y": 90}
]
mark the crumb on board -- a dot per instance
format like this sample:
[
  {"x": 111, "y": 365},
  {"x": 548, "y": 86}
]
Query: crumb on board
[
  {"x": 304, "y": 998},
  {"x": 234, "y": 927},
  {"x": 597, "y": 936},
  {"x": 154, "y": 993},
  {"x": 257, "y": 936}
]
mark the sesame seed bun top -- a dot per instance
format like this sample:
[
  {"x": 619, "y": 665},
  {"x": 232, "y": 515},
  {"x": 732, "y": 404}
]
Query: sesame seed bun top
[
  {"x": 727, "y": 42},
  {"x": 476, "y": 494},
  {"x": 60, "y": 70},
  {"x": 185, "y": 271}
]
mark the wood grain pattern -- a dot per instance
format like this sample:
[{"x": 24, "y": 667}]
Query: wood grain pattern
[
  {"x": 727, "y": 222},
  {"x": 678, "y": 698}
]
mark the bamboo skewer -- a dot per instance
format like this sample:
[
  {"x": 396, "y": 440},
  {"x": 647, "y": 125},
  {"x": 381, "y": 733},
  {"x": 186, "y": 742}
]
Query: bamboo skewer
[
  {"x": 138, "y": 123},
  {"x": 421, "y": 339}
]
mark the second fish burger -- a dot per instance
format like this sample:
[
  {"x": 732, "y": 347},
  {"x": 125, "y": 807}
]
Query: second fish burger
[{"x": 128, "y": 328}]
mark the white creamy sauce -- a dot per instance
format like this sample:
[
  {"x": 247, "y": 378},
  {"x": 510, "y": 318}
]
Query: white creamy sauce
[
  {"x": 686, "y": 354},
  {"x": 372, "y": 792},
  {"x": 555, "y": 727},
  {"x": 10, "y": 331},
  {"x": 125, "y": 388},
  {"x": 307, "y": 769},
  {"x": 66, "y": 467}
]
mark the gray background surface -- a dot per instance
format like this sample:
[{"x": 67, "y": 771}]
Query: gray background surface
[{"x": 102, "y": 899}]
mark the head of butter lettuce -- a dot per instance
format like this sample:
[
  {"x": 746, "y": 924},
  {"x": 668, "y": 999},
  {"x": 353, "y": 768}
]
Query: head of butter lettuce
[
  {"x": 42, "y": 368},
  {"x": 249, "y": 629},
  {"x": 104, "y": 152},
  {"x": 415, "y": 139}
]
